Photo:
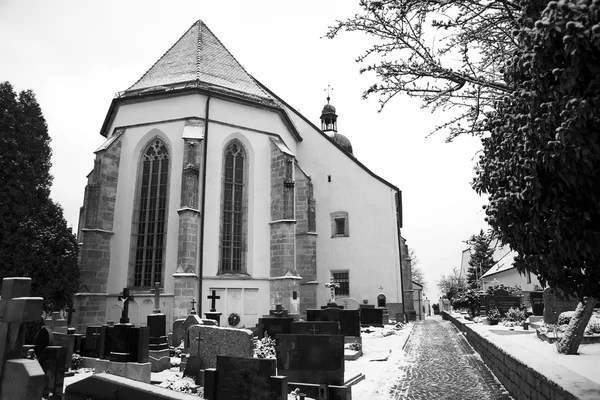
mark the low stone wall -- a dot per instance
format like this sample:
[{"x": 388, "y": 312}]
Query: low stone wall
[{"x": 525, "y": 381}]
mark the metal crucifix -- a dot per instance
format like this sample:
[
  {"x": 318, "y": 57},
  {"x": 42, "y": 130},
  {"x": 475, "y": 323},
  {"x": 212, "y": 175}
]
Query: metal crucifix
[{"x": 125, "y": 298}]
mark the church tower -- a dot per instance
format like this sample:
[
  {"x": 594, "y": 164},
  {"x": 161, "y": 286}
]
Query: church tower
[{"x": 329, "y": 127}]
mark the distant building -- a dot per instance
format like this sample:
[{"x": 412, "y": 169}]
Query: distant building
[{"x": 208, "y": 181}]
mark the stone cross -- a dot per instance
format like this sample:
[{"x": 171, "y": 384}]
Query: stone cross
[
  {"x": 70, "y": 311},
  {"x": 213, "y": 298},
  {"x": 156, "y": 291},
  {"x": 193, "y": 312},
  {"x": 331, "y": 285},
  {"x": 380, "y": 287},
  {"x": 125, "y": 298},
  {"x": 17, "y": 308}
]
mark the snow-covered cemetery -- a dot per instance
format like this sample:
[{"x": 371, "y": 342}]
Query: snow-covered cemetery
[{"x": 366, "y": 199}]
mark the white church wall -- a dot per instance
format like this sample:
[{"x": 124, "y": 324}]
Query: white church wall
[
  {"x": 159, "y": 109},
  {"x": 370, "y": 252}
]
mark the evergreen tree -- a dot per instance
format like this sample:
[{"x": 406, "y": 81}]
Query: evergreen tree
[
  {"x": 540, "y": 164},
  {"x": 34, "y": 238},
  {"x": 482, "y": 258}
]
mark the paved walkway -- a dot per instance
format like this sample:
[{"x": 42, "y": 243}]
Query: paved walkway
[{"x": 442, "y": 365}]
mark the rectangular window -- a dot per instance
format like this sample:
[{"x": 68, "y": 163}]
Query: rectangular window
[
  {"x": 340, "y": 226},
  {"x": 343, "y": 281}
]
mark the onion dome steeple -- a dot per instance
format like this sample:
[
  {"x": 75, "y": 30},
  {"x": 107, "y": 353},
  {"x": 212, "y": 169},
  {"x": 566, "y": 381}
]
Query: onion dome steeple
[{"x": 329, "y": 126}]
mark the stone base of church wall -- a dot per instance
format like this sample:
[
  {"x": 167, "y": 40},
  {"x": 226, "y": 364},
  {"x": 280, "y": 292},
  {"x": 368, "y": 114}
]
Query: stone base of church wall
[
  {"x": 306, "y": 256},
  {"x": 308, "y": 297},
  {"x": 94, "y": 260},
  {"x": 283, "y": 243},
  {"x": 282, "y": 292},
  {"x": 186, "y": 289},
  {"x": 90, "y": 309}
]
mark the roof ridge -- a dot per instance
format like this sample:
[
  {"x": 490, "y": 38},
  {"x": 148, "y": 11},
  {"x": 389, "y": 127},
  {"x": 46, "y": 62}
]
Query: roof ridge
[
  {"x": 161, "y": 57},
  {"x": 198, "y": 54},
  {"x": 232, "y": 56}
]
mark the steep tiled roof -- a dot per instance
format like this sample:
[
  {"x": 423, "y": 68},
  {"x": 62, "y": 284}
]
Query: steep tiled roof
[{"x": 198, "y": 56}]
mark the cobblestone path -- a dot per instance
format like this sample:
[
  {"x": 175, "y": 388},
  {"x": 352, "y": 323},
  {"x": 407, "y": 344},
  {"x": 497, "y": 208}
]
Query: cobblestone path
[{"x": 440, "y": 364}]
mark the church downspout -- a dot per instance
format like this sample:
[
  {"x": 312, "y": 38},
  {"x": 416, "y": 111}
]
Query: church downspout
[
  {"x": 203, "y": 207},
  {"x": 399, "y": 225}
]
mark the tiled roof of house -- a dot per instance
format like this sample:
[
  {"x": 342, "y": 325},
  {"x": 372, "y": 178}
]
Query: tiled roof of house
[{"x": 198, "y": 56}]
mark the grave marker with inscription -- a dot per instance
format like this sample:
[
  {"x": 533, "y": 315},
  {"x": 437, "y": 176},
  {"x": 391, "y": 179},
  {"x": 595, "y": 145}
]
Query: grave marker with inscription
[{"x": 311, "y": 358}]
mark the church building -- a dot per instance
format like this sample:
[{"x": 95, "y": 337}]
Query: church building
[{"x": 208, "y": 181}]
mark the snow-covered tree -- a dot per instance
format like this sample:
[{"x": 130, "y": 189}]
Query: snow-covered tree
[{"x": 482, "y": 257}]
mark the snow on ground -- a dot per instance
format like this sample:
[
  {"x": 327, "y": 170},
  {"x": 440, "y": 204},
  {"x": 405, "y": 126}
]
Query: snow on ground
[{"x": 379, "y": 375}]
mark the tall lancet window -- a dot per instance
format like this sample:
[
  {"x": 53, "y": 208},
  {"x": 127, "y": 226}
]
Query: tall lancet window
[
  {"x": 233, "y": 208},
  {"x": 151, "y": 215}
]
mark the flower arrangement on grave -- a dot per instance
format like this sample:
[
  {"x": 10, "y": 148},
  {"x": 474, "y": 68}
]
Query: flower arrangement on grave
[
  {"x": 233, "y": 319},
  {"x": 493, "y": 316},
  {"x": 264, "y": 348},
  {"x": 494, "y": 287},
  {"x": 514, "y": 317},
  {"x": 332, "y": 286}
]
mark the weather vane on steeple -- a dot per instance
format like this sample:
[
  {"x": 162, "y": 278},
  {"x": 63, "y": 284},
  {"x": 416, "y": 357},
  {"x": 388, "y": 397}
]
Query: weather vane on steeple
[{"x": 329, "y": 88}]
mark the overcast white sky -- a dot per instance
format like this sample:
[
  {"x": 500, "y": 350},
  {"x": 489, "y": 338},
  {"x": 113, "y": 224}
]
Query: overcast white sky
[{"x": 77, "y": 54}]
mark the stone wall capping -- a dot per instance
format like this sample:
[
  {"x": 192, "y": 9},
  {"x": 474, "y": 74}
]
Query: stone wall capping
[
  {"x": 183, "y": 209},
  {"x": 296, "y": 277},
  {"x": 97, "y": 230},
  {"x": 184, "y": 274},
  {"x": 283, "y": 221}
]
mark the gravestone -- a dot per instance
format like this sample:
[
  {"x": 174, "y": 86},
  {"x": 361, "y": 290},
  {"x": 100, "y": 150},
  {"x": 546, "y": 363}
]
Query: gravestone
[
  {"x": 311, "y": 358},
  {"x": 91, "y": 343},
  {"x": 212, "y": 341},
  {"x": 55, "y": 359},
  {"x": 349, "y": 320},
  {"x": 273, "y": 325},
  {"x": 178, "y": 332},
  {"x": 537, "y": 303},
  {"x": 159, "y": 346},
  {"x": 192, "y": 368},
  {"x": 316, "y": 328},
  {"x": 239, "y": 378},
  {"x": 190, "y": 321},
  {"x": 502, "y": 301},
  {"x": 557, "y": 301},
  {"x": 17, "y": 308},
  {"x": 139, "y": 344},
  {"x": 371, "y": 316},
  {"x": 120, "y": 344},
  {"x": 213, "y": 313},
  {"x": 106, "y": 338},
  {"x": 56, "y": 323}
]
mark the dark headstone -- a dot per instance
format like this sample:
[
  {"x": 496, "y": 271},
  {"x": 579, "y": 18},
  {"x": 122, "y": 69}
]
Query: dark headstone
[
  {"x": 311, "y": 358},
  {"x": 55, "y": 359},
  {"x": 316, "y": 328},
  {"x": 279, "y": 311},
  {"x": 106, "y": 333},
  {"x": 120, "y": 347},
  {"x": 91, "y": 344},
  {"x": 556, "y": 302},
  {"x": 274, "y": 326},
  {"x": 68, "y": 342},
  {"x": 503, "y": 303},
  {"x": 350, "y": 322},
  {"x": 537, "y": 303},
  {"x": 157, "y": 324},
  {"x": 246, "y": 378},
  {"x": 214, "y": 315},
  {"x": 371, "y": 316},
  {"x": 381, "y": 300},
  {"x": 192, "y": 367},
  {"x": 178, "y": 332},
  {"x": 139, "y": 344},
  {"x": 44, "y": 338}
]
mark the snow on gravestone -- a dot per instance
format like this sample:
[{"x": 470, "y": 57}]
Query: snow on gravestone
[
  {"x": 557, "y": 301},
  {"x": 208, "y": 342}
]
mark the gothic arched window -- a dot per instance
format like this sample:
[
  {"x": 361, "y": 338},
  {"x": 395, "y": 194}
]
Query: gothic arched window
[
  {"x": 233, "y": 208},
  {"x": 151, "y": 223}
]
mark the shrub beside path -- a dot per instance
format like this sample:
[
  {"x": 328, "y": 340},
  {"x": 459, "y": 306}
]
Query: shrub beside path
[{"x": 440, "y": 364}]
